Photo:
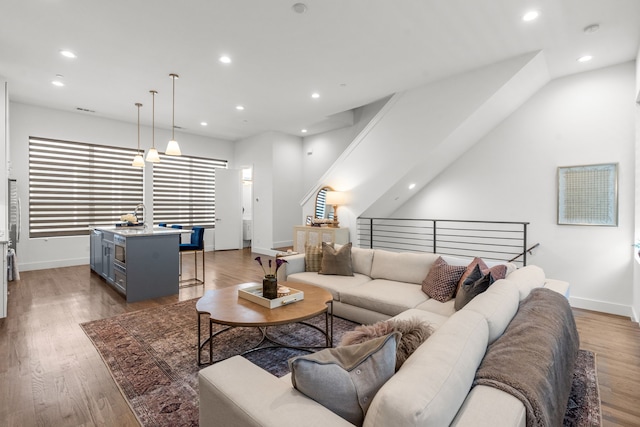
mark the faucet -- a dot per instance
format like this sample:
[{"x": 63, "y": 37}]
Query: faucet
[{"x": 144, "y": 211}]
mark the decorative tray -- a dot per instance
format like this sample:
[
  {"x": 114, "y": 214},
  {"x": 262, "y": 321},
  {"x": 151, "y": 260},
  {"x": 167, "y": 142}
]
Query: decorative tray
[{"x": 254, "y": 294}]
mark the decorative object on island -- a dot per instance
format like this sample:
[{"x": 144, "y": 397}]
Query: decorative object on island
[
  {"x": 335, "y": 198},
  {"x": 152, "y": 155},
  {"x": 138, "y": 161},
  {"x": 270, "y": 280},
  {"x": 173, "y": 149}
]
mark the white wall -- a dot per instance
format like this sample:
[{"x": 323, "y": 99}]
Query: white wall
[
  {"x": 28, "y": 120},
  {"x": 636, "y": 270},
  {"x": 277, "y": 187},
  {"x": 510, "y": 175}
]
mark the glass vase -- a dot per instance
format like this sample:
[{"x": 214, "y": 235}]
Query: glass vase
[{"x": 270, "y": 287}]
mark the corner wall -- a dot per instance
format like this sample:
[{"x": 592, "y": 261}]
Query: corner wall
[{"x": 510, "y": 175}]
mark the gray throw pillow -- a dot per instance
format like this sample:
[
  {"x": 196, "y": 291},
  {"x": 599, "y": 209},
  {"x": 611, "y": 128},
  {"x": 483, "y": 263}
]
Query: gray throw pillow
[
  {"x": 475, "y": 284},
  {"x": 345, "y": 379},
  {"x": 336, "y": 262}
]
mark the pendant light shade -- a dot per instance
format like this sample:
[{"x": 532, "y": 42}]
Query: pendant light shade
[
  {"x": 152, "y": 155},
  {"x": 138, "y": 161},
  {"x": 173, "y": 149}
]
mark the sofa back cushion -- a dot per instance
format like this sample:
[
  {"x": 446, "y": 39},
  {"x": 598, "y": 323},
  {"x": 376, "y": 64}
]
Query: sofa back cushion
[
  {"x": 401, "y": 266},
  {"x": 498, "y": 305},
  {"x": 433, "y": 383},
  {"x": 362, "y": 260},
  {"x": 527, "y": 278}
]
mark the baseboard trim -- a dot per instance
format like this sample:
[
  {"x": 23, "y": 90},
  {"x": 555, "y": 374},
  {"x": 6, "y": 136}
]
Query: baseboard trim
[
  {"x": 52, "y": 264},
  {"x": 602, "y": 306}
]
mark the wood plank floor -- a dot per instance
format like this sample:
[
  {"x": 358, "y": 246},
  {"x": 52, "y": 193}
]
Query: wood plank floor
[{"x": 51, "y": 375}]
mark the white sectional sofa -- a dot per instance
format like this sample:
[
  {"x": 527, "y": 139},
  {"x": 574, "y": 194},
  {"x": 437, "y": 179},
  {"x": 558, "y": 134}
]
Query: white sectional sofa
[{"x": 433, "y": 387}]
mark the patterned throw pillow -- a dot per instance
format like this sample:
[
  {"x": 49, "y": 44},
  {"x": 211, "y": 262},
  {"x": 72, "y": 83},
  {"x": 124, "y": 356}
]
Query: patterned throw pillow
[
  {"x": 497, "y": 271},
  {"x": 442, "y": 280},
  {"x": 312, "y": 257}
]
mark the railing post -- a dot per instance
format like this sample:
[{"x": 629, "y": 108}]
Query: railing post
[
  {"x": 435, "y": 240},
  {"x": 370, "y": 233},
  {"x": 524, "y": 245}
]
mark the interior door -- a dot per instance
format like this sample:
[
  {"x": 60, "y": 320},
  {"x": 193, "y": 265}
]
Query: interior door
[{"x": 228, "y": 231}]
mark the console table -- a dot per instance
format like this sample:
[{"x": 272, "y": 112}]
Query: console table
[{"x": 316, "y": 235}]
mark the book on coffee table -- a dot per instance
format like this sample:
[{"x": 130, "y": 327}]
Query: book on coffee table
[{"x": 254, "y": 294}]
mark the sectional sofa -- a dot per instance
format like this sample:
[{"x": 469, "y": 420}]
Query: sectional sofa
[{"x": 438, "y": 384}]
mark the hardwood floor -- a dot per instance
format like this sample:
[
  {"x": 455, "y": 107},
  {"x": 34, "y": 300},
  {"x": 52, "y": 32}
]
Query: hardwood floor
[{"x": 51, "y": 375}]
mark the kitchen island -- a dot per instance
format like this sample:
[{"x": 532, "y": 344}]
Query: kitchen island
[{"x": 139, "y": 262}]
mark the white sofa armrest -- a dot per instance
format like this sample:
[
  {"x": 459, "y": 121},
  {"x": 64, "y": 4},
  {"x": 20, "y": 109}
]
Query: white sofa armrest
[
  {"x": 559, "y": 286},
  {"x": 295, "y": 264},
  {"x": 235, "y": 392}
]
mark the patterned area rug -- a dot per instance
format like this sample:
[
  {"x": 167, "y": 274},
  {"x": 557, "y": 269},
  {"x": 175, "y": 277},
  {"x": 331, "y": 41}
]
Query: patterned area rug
[{"x": 151, "y": 355}]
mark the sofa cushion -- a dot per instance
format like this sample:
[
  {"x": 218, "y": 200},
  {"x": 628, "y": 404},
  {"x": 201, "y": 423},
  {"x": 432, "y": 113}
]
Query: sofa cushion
[
  {"x": 362, "y": 260},
  {"x": 312, "y": 257},
  {"x": 401, "y": 267},
  {"x": 441, "y": 308},
  {"x": 435, "y": 380},
  {"x": 332, "y": 283},
  {"x": 345, "y": 379},
  {"x": 475, "y": 284},
  {"x": 442, "y": 280},
  {"x": 414, "y": 331},
  {"x": 498, "y": 305},
  {"x": 527, "y": 278},
  {"x": 384, "y": 296},
  {"x": 434, "y": 320},
  {"x": 336, "y": 261}
]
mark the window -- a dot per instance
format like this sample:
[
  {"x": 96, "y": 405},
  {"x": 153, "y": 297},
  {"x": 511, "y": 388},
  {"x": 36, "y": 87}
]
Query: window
[
  {"x": 184, "y": 190},
  {"x": 73, "y": 185}
]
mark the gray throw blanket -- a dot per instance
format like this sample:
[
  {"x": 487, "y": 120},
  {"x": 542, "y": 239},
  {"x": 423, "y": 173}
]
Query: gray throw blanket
[{"x": 534, "y": 359}]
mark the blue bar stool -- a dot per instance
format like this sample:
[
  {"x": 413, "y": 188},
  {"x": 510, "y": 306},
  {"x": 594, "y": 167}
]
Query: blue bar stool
[
  {"x": 196, "y": 245},
  {"x": 162, "y": 224}
]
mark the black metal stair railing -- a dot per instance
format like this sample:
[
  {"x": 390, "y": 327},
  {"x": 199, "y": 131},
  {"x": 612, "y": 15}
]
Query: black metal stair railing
[{"x": 490, "y": 240}]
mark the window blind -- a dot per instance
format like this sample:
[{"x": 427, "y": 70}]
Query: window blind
[
  {"x": 184, "y": 190},
  {"x": 73, "y": 185}
]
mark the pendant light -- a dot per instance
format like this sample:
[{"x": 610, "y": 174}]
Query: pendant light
[
  {"x": 173, "y": 149},
  {"x": 152, "y": 155},
  {"x": 138, "y": 161}
]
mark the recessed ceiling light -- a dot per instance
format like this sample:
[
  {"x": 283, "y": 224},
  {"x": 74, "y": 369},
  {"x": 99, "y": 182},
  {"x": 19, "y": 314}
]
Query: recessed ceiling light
[
  {"x": 57, "y": 83},
  {"x": 225, "y": 59},
  {"x": 239, "y": 107},
  {"x": 299, "y": 8},
  {"x": 203, "y": 123},
  {"x": 303, "y": 131},
  {"x": 315, "y": 95},
  {"x": 585, "y": 58},
  {"x": 67, "y": 53},
  {"x": 412, "y": 186},
  {"x": 530, "y": 16}
]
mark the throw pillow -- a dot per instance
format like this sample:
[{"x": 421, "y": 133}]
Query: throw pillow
[
  {"x": 345, "y": 379},
  {"x": 414, "y": 332},
  {"x": 497, "y": 271},
  {"x": 312, "y": 257},
  {"x": 442, "y": 280},
  {"x": 475, "y": 284},
  {"x": 336, "y": 262}
]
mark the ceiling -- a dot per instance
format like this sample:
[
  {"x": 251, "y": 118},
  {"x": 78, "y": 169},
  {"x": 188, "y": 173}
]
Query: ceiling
[{"x": 351, "y": 52}]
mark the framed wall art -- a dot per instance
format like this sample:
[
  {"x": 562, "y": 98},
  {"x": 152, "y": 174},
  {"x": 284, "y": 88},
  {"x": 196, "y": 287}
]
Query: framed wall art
[{"x": 588, "y": 195}]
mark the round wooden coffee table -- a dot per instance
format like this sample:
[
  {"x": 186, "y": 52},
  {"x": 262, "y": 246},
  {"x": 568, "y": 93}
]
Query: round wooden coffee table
[{"x": 225, "y": 307}]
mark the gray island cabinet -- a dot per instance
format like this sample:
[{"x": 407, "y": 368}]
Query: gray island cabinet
[{"x": 140, "y": 263}]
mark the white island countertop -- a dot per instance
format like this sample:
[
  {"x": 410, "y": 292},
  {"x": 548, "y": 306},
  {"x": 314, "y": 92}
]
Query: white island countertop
[{"x": 134, "y": 231}]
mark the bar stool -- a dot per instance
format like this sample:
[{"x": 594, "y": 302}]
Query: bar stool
[{"x": 196, "y": 245}]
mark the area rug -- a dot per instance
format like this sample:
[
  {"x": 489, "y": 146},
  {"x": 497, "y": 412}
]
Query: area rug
[{"x": 152, "y": 353}]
